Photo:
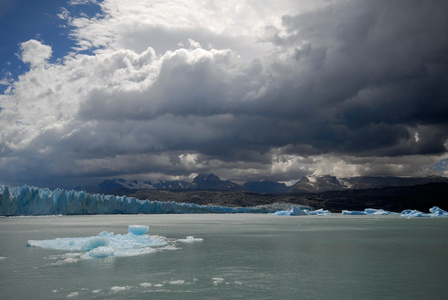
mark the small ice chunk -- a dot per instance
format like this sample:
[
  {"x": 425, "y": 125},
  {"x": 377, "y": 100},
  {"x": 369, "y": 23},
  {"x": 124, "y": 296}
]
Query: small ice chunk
[
  {"x": 2, "y": 257},
  {"x": 74, "y": 294},
  {"x": 116, "y": 289},
  {"x": 190, "y": 239},
  {"x": 138, "y": 229},
  {"x": 354, "y": 213},
  {"x": 68, "y": 260},
  {"x": 146, "y": 284}
]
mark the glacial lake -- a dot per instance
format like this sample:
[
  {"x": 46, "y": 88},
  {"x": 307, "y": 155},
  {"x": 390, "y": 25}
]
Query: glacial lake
[{"x": 242, "y": 256}]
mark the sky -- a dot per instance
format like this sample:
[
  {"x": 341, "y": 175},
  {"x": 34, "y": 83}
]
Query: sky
[{"x": 248, "y": 90}]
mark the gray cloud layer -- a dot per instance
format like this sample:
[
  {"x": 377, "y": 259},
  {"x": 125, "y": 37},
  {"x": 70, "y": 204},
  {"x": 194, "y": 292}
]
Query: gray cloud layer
[{"x": 349, "y": 88}]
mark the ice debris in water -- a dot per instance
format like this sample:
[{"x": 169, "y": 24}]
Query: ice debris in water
[
  {"x": 433, "y": 212},
  {"x": 302, "y": 211},
  {"x": 106, "y": 244},
  {"x": 368, "y": 211},
  {"x": 190, "y": 239}
]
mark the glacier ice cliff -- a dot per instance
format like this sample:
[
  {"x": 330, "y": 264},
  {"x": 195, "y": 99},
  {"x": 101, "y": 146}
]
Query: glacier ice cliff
[{"x": 32, "y": 201}]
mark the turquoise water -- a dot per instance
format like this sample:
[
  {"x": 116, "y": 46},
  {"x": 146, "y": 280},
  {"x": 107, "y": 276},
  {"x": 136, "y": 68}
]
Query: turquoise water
[{"x": 241, "y": 256}]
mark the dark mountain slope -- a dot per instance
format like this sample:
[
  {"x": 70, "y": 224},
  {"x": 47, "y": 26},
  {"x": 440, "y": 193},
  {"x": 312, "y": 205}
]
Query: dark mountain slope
[{"x": 420, "y": 197}]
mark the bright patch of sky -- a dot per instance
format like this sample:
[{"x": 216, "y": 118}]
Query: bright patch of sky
[{"x": 23, "y": 20}]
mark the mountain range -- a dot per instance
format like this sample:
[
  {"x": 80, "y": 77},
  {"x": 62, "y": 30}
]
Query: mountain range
[{"x": 307, "y": 184}]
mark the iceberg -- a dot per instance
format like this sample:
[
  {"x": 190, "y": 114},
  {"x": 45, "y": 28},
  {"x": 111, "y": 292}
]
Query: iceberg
[
  {"x": 106, "y": 244},
  {"x": 302, "y": 211},
  {"x": 353, "y": 212},
  {"x": 32, "y": 201},
  {"x": 138, "y": 229},
  {"x": 433, "y": 212},
  {"x": 368, "y": 211},
  {"x": 318, "y": 212}
]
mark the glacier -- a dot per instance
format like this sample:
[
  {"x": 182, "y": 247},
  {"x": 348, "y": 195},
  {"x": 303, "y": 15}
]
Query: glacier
[{"x": 32, "y": 201}]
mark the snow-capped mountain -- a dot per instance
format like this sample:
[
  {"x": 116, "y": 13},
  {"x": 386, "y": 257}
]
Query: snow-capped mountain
[
  {"x": 317, "y": 184},
  {"x": 307, "y": 184},
  {"x": 117, "y": 185},
  {"x": 200, "y": 182}
]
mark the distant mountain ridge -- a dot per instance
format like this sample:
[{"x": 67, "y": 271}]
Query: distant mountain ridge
[
  {"x": 307, "y": 184},
  {"x": 318, "y": 184}
]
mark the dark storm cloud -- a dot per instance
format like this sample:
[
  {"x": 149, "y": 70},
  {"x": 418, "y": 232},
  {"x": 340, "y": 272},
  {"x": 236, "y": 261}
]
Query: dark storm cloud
[
  {"x": 353, "y": 87},
  {"x": 360, "y": 78},
  {"x": 366, "y": 72},
  {"x": 356, "y": 77}
]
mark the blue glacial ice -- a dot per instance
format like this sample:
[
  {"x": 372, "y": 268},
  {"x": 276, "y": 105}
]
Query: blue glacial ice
[
  {"x": 138, "y": 229},
  {"x": 302, "y": 211},
  {"x": 433, "y": 212},
  {"x": 31, "y": 201},
  {"x": 104, "y": 244},
  {"x": 318, "y": 212},
  {"x": 108, "y": 244},
  {"x": 368, "y": 211}
]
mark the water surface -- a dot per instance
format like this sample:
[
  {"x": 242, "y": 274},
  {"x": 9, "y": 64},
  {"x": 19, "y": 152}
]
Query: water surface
[{"x": 242, "y": 256}]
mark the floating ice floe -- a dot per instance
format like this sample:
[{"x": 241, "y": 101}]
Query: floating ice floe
[
  {"x": 433, "y": 212},
  {"x": 106, "y": 244},
  {"x": 302, "y": 211},
  {"x": 368, "y": 211}
]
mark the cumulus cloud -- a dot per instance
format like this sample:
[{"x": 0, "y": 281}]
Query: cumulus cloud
[
  {"x": 246, "y": 90},
  {"x": 35, "y": 53}
]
